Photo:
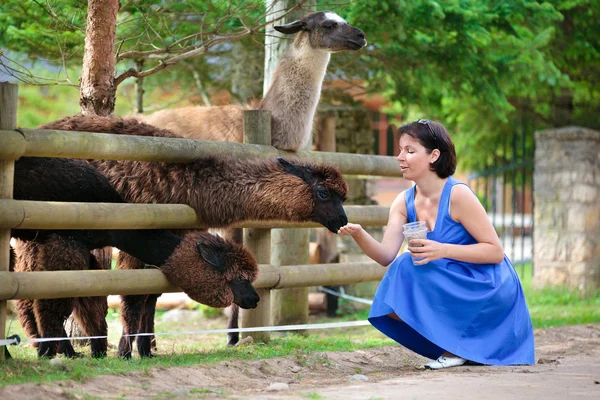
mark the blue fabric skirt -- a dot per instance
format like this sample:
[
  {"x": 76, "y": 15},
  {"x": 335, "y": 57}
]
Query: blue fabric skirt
[{"x": 475, "y": 311}]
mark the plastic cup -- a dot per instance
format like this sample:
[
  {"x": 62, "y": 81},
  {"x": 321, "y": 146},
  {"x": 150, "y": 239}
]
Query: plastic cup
[
  {"x": 415, "y": 226},
  {"x": 416, "y": 234}
]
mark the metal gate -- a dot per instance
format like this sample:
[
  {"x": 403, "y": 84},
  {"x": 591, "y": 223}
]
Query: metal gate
[{"x": 505, "y": 189}]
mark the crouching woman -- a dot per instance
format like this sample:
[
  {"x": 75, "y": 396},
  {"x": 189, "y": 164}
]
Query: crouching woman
[{"x": 462, "y": 301}]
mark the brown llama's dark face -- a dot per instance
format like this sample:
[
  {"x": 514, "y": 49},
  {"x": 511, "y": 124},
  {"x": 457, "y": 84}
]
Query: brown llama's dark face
[
  {"x": 327, "y": 31},
  {"x": 213, "y": 271},
  {"x": 328, "y": 190},
  {"x": 328, "y": 210}
]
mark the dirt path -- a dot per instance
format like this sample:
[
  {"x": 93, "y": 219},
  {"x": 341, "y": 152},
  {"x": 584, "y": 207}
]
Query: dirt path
[{"x": 568, "y": 368}]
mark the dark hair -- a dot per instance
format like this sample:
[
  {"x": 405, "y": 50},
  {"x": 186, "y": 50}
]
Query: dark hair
[{"x": 432, "y": 135}]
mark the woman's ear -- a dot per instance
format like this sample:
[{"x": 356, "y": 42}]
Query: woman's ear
[{"x": 435, "y": 155}]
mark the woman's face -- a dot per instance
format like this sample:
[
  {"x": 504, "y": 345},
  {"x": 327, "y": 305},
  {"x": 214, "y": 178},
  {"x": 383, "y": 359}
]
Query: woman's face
[{"x": 413, "y": 158}]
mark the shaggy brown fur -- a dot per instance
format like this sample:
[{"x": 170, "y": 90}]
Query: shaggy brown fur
[
  {"x": 226, "y": 281},
  {"x": 211, "y": 270},
  {"x": 292, "y": 97},
  {"x": 44, "y": 318}
]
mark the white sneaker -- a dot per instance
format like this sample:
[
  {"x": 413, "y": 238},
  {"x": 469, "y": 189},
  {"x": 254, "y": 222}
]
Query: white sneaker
[{"x": 445, "y": 362}]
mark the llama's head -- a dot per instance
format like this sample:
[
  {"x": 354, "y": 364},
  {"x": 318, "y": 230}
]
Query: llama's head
[
  {"x": 320, "y": 198},
  {"x": 327, "y": 31},
  {"x": 213, "y": 271}
]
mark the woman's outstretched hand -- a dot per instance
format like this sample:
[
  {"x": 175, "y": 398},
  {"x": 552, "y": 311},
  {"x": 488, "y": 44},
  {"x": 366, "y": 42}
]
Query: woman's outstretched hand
[
  {"x": 350, "y": 229},
  {"x": 429, "y": 250}
]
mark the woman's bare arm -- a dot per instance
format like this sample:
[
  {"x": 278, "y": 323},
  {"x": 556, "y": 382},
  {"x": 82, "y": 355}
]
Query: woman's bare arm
[
  {"x": 466, "y": 209},
  {"x": 386, "y": 251}
]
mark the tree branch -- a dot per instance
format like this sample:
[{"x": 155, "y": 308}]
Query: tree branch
[
  {"x": 174, "y": 60},
  {"x": 24, "y": 75},
  {"x": 52, "y": 14}
]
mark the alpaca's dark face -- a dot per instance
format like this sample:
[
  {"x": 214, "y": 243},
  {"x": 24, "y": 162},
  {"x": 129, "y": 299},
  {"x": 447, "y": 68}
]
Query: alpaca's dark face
[
  {"x": 327, "y": 31},
  {"x": 328, "y": 210},
  {"x": 327, "y": 189},
  {"x": 213, "y": 271}
]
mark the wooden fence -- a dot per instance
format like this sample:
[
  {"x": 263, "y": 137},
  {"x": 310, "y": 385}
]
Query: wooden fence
[{"x": 56, "y": 215}]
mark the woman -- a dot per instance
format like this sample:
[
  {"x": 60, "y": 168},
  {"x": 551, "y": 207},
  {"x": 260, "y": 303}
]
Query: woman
[{"x": 463, "y": 301}]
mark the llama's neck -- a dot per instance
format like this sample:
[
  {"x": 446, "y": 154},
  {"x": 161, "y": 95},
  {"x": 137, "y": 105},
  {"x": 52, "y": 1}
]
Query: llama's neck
[
  {"x": 294, "y": 94},
  {"x": 255, "y": 191},
  {"x": 151, "y": 246},
  {"x": 222, "y": 191}
]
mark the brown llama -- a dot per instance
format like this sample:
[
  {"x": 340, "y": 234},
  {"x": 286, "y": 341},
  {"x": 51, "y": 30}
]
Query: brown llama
[
  {"x": 209, "y": 269},
  {"x": 222, "y": 191},
  {"x": 292, "y": 97}
]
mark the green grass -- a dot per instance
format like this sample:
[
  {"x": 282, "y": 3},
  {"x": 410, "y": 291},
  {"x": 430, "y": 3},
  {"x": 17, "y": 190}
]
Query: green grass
[
  {"x": 313, "y": 396},
  {"x": 25, "y": 367},
  {"x": 558, "y": 306}
]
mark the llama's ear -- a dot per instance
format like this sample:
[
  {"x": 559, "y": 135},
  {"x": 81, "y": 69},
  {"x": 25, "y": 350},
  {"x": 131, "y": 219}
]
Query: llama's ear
[
  {"x": 209, "y": 255},
  {"x": 291, "y": 28},
  {"x": 294, "y": 169}
]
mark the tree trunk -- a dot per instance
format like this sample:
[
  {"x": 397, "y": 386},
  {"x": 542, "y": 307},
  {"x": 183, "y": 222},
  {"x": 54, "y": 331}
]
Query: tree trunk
[
  {"x": 276, "y": 43},
  {"x": 247, "y": 71},
  {"x": 97, "y": 90},
  {"x": 562, "y": 108},
  {"x": 289, "y": 246}
]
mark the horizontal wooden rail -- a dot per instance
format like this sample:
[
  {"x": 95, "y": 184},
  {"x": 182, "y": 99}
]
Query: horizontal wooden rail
[
  {"x": 26, "y": 214},
  {"x": 104, "y": 146},
  {"x": 59, "y": 284}
]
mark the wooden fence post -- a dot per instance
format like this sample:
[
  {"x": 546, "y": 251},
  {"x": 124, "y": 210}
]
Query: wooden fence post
[
  {"x": 327, "y": 241},
  {"x": 257, "y": 130},
  {"x": 290, "y": 247},
  {"x": 8, "y": 121}
]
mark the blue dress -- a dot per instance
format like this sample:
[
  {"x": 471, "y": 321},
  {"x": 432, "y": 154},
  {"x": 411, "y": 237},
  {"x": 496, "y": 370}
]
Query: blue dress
[{"x": 476, "y": 311}]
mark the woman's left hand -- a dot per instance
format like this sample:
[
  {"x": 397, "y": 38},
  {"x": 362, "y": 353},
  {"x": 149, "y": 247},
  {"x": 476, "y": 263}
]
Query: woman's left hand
[{"x": 428, "y": 250}]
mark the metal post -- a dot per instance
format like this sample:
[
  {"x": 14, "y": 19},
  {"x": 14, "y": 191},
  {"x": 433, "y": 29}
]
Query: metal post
[
  {"x": 257, "y": 130},
  {"x": 8, "y": 121}
]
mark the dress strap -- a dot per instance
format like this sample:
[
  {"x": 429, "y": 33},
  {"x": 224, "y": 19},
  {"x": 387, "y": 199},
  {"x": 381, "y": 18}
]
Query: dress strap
[
  {"x": 452, "y": 183},
  {"x": 409, "y": 198},
  {"x": 446, "y": 198}
]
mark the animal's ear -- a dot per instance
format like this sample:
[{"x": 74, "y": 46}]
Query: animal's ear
[
  {"x": 209, "y": 255},
  {"x": 292, "y": 27},
  {"x": 295, "y": 170}
]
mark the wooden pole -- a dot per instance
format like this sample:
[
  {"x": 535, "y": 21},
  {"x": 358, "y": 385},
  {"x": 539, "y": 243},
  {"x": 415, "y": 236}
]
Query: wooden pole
[
  {"x": 289, "y": 246},
  {"x": 28, "y": 214},
  {"x": 327, "y": 241},
  {"x": 59, "y": 284},
  {"x": 257, "y": 130},
  {"x": 326, "y": 135},
  {"x": 8, "y": 121},
  {"x": 106, "y": 146}
]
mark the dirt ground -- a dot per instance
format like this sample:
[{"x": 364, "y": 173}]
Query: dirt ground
[{"x": 567, "y": 368}]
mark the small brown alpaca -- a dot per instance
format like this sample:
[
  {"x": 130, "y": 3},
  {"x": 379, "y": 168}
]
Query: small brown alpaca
[
  {"x": 221, "y": 190},
  {"x": 209, "y": 269},
  {"x": 292, "y": 97}
]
